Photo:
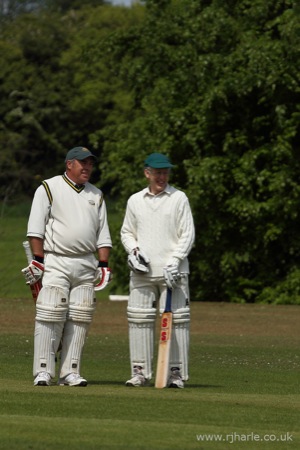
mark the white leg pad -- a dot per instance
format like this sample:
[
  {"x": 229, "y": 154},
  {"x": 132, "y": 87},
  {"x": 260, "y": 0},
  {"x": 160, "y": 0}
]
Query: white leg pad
[
  {"x": 82, "y": 304},
  {"x": 81, "y": 310},
  {"x": 52, "y": 304},
  {"x": 141, "y": 319},
  {"x": 179, "y": 353},
  {"x": 51, "y": 311},
  {"x": 46, "y": 340},
  {"x": 72, "y": 347}
]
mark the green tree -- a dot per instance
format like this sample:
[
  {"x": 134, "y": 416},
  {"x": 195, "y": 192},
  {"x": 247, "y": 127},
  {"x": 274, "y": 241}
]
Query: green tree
[
  {"x": 53, "y": 99},
  {"x": 33, "y": 90},
  {"x": 216, "y": 86}
]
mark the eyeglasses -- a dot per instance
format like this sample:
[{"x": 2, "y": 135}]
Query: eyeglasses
[{"x": 159, "y": 172}]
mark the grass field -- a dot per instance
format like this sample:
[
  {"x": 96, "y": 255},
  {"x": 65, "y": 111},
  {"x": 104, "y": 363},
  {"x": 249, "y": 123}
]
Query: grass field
[{"x": 243, "y": 391}]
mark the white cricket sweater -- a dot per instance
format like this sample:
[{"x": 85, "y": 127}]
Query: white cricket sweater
[
  {"x": 160, "y": 225},
  {"x": 71, "y": 220}
]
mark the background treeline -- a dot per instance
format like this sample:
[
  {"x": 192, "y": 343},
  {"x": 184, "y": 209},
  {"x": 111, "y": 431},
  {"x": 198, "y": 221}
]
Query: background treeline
[{"x": 212, "y": 83}]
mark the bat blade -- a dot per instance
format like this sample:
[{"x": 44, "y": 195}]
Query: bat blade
[
  {"x": 36, "y": 287},
  {"x": 162, "y": 369}
]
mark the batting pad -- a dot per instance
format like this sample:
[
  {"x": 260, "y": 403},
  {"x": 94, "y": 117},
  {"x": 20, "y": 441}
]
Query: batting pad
[
  {"x": 72, "y": 346},
  {"x": 46, "y": 340},
  {"x": 52, "y": 304},
  {"x": 141, "y": 319},
  {"x": 179, "y": 353},
  {"x": 82, "y": 304}
]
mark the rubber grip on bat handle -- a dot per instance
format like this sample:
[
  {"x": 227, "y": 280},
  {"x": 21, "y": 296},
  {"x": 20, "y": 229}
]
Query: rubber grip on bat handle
[{"x": 28, "y": 251}]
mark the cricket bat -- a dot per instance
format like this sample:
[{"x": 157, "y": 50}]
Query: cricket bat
[
  {"x": 162, "y": 369},
  {"x": 36, "y": 287}
]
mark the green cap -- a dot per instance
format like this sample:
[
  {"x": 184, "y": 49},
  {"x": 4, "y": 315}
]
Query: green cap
[
  {"x": 158, "y": 161},
  {"x": 79, "y": 153}
]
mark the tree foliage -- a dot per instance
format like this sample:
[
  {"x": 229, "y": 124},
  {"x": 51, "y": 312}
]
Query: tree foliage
[
  {"x": 214, "y": 84},
  {"x": 53, "y": 98}
]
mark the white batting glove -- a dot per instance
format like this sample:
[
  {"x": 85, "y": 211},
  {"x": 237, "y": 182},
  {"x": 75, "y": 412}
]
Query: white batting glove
[
  {"x": 103, "y": 276},
  {"x": 171, "y": 276},
  {"x": 34, "y": 272},
  {"x": 138, "y": 261}
]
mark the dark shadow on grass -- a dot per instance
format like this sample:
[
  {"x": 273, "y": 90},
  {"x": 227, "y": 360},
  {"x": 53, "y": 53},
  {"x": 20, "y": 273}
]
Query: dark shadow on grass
[
  {"x": 105, "y": 382},
  {"x": 203, "y": 386},
  {"x": 122, "y": 383}
]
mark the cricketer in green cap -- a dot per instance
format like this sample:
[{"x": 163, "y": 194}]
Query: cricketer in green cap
[
  {"x": 79, "y": 153},
  {"x": 158, "y": 161}
]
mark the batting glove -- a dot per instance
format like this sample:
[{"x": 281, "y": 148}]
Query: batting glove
[
  {"x": 103, "y": 276},
  {"x": 171, "y": 276},
  {"x": 138, "y": 261},
  {"x": 34, "y": 272}
]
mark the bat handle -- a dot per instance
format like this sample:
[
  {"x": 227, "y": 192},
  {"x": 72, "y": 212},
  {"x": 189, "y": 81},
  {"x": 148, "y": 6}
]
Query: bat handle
[
  {"x": 168, "y": 307},
  {"x": 28, "y": 251},
  {"x": 36, "y": 287}
]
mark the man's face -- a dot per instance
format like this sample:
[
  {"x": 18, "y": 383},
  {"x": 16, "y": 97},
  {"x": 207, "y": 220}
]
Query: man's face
[
  {"x": 80, "y": 171},
  {"x": 158, "y": 179}
]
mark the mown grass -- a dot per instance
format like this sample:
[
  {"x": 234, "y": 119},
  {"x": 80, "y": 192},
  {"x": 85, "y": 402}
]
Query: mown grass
[
  {"x": 12, "y": 235},
  {"x": 244, "y": 382},
  {"x": 244, "y": 377}
]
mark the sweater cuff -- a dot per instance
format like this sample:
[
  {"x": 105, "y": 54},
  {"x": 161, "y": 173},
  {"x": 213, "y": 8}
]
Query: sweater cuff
[{"x": 174, "y": 261}]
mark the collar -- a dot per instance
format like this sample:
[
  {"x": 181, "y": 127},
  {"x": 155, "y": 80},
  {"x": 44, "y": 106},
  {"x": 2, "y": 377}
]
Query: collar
[
  {"x": 167, "y": 191},
  {"x": 77, "y": 187}
]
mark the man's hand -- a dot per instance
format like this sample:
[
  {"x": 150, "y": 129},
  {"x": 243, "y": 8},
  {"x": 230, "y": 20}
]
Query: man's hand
[
  {"x": 171, "y": 276},
  {"x": 103, "y": 276},
  {"x": 34, "y": 272},
  {"x": 138, "y": 261}
]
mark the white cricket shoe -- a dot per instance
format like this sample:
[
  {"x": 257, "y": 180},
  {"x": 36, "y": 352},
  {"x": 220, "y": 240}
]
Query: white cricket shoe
[
  {"x": 73, "y": 379},
  {"x": 175, "y": 380},
  {"x": 138, "y": 378},
  {"x": 42, "y": 379}
]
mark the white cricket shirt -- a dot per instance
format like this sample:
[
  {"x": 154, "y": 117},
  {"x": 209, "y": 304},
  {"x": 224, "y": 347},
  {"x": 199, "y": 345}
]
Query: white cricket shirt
[
  {"x": 75, "y": 222},
  {"x": 161, "y": 225}
]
